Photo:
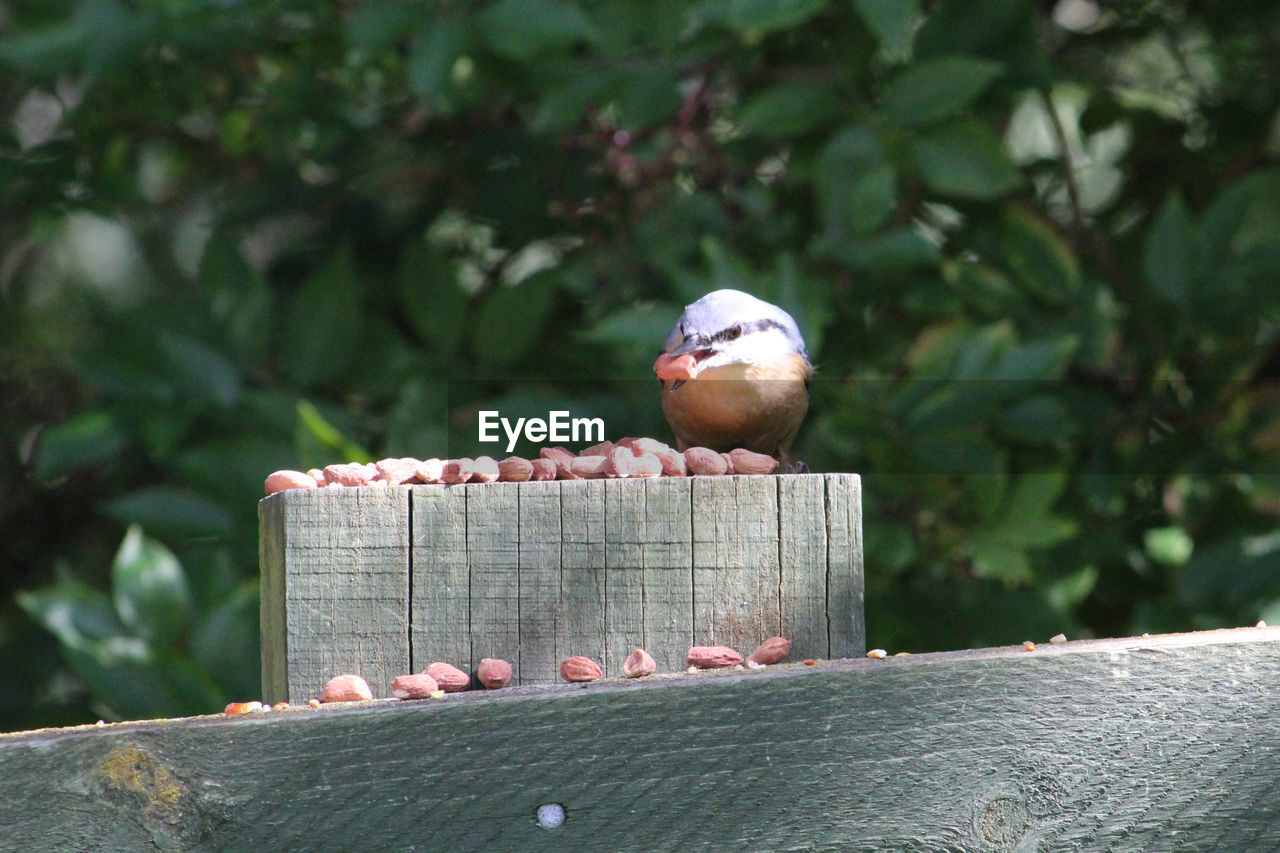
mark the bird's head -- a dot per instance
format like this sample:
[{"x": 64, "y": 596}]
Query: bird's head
[{"x": 728, "y": 327}]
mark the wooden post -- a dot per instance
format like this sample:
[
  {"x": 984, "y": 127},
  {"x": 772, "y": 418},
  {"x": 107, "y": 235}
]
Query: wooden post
[
  {"x": 1150, "y": 744},
  {"x": 383, "y": 581}
]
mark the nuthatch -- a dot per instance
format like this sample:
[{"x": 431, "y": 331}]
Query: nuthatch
[{"x": 734, "y": 373}]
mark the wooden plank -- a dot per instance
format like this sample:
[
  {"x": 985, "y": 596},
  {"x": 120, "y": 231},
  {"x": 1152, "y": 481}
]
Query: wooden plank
[
  {"x": 668, "y": 571},
  {"x": 535, "y": 572},
  {"x": 802, "y": 554},
  {"x": 736, "y": 576},
  {"x": 272, "y": 613},
  {"x": 1161, "y": 743},
  {"x": 847, "y": 620},
  {"x": 337, "y": 560},
  {"x": 440, "y": 592},
  {"x": 625, "y": 538},
  {"x": 582, "y": 591},
  {"x": 493, "y": 554},
  {"x": 539, "y": 581}
]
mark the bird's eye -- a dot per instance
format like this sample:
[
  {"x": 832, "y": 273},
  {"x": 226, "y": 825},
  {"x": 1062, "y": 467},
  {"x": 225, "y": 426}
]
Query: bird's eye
[{"x": 733, "y": 333}]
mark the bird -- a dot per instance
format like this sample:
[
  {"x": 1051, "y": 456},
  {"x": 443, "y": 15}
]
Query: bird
[{"x": 734, "y": 372}]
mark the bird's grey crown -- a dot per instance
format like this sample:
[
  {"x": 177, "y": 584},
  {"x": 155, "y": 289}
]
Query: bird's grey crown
[{"x": 711, "y": 317}]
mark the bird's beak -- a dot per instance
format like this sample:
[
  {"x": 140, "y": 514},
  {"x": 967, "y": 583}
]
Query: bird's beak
[{"x": 693, "y": 347}]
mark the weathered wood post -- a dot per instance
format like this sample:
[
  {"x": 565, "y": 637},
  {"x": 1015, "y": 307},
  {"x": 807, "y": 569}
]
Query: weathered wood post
[{"x": 384, "y": 580}]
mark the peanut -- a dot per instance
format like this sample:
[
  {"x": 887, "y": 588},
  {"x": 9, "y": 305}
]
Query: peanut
[
  {"x": 350, "y": 474},
  {"x": 430, "y": 470},
  {"x": 646, "y": 465},
  {"x": 639, "y": 664},
  {"x": 416, "y": 686},
  {"x": 601, "y": 449},
  {"x": 587, "y": 467},
  {"x": 397, "y": 471},
  {"x": 486, "y": 470},
  {"x": 543, "y": 469},
  {"x": 772, "y": 650},
  {"x": 449, "y": 677},
  {"x": 712, "y": 657},
  {"x": 235, "y": 709},
  {"x": 747, "y": 462},
  {"x": 561, "y": 457},
  {"x": 513, "y": 469},
  {"x": 279, "y": 481},
  {"x": 494, "y": 673},
  {"x": 345, "y": 688},
  {"x": 578, "y": 668},
  {"x": 458, "y": 471},
  {"x": 705, "y": 462},
  {"x": 619, "y": 462}
]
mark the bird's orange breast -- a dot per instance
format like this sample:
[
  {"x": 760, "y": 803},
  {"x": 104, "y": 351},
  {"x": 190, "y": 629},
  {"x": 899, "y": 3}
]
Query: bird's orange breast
[{"x": 758, "y": 406}]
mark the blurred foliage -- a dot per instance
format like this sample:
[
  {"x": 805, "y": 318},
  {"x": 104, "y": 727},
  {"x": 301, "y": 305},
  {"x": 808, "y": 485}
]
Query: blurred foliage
[{"x": 1033, "y": 248}]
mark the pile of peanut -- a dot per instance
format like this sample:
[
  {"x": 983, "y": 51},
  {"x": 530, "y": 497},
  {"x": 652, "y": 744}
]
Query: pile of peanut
[
  {"x": 628, "y": 457},
  {"x": 493, "y": 673}
]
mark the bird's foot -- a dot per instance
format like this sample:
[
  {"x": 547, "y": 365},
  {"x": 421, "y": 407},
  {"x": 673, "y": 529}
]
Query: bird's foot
[{"x": 797, "y": 467}]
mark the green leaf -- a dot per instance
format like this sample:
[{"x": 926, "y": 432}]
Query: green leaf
[
  {"x": 1168, "y": 254},
  {"x": 330, "y": 441},
  {"x": 99, "y": 34},
  {"x": 958, "y": 450},
  {"x": 1170, "y": 546},
  {"x": 857, "y": 190},
  {"x": 150, "y": 589},
  {"x": 1039, "y": 420},
  {"x": 643, "y": 325},
  {"x": 973, "y": 26},
  {"x": 429, "y": 293},
  {"x": 934, "y": 89},
  {"x": 92, "y": 438},
  {"x": 1228, "y": 214},
  {"x": 511, "y": 320},
  {"x": 964, "y": 159},
  {"x": 432, "y": 54},
  {"x": 239, "y": 298},
  {"x": 755, "y": 17},
  {"x": 373, "y": 24},
  {"x": 226, "y": 642},
  {"x": 1037, "y": 360},
  {"x": 1040, "y": 258},
  {"x": 790, "y": 109},
  {"x": 199, "y": 370},
  {"x": 523, "y": 29},
  {"x": 892, "y": 21},
  {"x": 174, "y": 510},
  {"x": 644, "y": 97},
  {"x": 565, "y": 103},
  {"x": 1235, "y": 572},
  {"x": 80, "y": 616},
  {"x": 895, "y": 251},
  {"x": 323, "y": 328},
  {"x": 994, "y": 559},
  {"x": 1030, "y": 502},
  {"x": 1001, "y": 550}
]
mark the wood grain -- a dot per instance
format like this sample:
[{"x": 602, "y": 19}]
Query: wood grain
[
  {"x": 582, "y": 602},
  {"x": 668, "y": 571},
  {"x": 440, "y": 602},
  {"x": 1145, "y": 744},
  {"x": 335, "y": 566}
]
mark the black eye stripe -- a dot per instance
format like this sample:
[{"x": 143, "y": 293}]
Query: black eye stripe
[{"x": 747, "y": 328}]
